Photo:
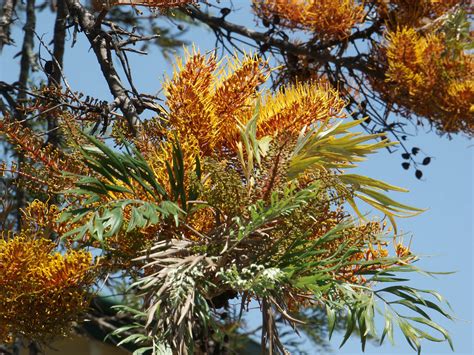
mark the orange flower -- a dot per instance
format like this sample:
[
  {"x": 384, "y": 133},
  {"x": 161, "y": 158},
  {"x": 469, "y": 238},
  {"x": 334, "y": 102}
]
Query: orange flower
[
  {"x": 424, "y": 76},
  {"x": 413, "y": 12},
  {"x": 331, "y": 19},
  {"x": 41, "y": 291}
]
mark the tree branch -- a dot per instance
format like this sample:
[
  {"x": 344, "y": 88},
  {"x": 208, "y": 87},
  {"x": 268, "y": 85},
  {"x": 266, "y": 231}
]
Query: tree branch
[
  {"x": 99, "y": 42},
  {"x": 28, "y": 45},
  {"x": 318, "y": 53},
  {"x": 54, "y": 78},
  {"x": 5, "y": 22},
  {"x": 25, "y": 67}
]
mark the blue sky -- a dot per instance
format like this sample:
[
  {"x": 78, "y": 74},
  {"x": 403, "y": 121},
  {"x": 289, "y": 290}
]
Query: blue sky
[{"x": 443, "y": 233}]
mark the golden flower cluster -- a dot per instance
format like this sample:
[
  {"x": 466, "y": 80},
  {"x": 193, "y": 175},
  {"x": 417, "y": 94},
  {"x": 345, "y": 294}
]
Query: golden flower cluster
[
  {"x": 41, "y": 291},
  {"x": 360, "y": 237},
  {"x": 45, "y": 163},
  {"x": 424, "y": 76},
  {"x": 328, "y": 19},
  {"x": 366, "y": 238},
  {"x": 43, "y": 217},
  {"x": 413, "y": 13},
  {"x": 207, "y": 101},
  {"x": 297, "y": 106}
]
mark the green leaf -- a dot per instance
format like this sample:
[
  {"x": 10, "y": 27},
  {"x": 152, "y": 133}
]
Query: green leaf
[
  {"x": 410, "y": 335},
  {"x": 134, "y": 338},
  {"x": 434, "y": 326},
  {"x": 331, "y": 315},
  {"x": 388, "y": 202},
  {"x": 412, "y": 306},
  {"x": 360, "y": 180},
  {"x": 388, "y": 327},
  {"x": 144, "y": 350},
  {"x": 350, "y": 325}
]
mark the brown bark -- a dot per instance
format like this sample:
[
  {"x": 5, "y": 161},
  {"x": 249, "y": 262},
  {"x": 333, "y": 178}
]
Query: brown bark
[
  {"x": 25, "y": 68},
  {"x": 5, "y": 22},
  {"x": 100, "y": 43},
  {"x": 54, "y": 78}
]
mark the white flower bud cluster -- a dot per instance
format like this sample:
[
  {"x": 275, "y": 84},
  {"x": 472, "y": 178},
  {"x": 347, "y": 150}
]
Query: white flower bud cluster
[{"x": 254, "y": 278}]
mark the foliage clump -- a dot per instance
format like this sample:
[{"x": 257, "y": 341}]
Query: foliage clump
[
  {"x": 233, "y": 195},
  {"x": 427, "y": 76},
  {"x": 418, "y": 62},
  {"x": 232, "y": 191}
]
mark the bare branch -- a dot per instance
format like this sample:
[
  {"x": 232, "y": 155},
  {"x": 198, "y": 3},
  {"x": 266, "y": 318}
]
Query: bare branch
[
  {"x": 28, "y": 45},
  {"x": 25, "y": 67},
  {"x": 5, "y": 22},
  {"x": 100, "y": 44},
  {"x": 54, "y": 78}
]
